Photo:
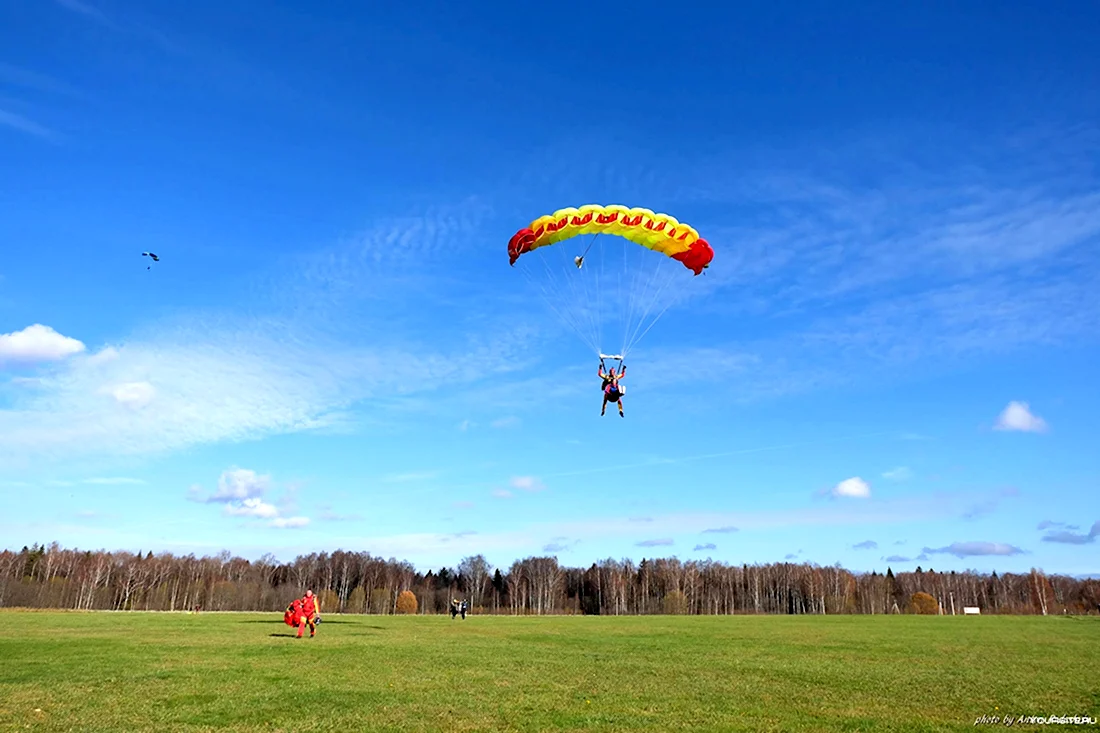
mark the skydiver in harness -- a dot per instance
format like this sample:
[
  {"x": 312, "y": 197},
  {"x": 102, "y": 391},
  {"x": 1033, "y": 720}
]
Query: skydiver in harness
[{"x": 612, "y": 390}]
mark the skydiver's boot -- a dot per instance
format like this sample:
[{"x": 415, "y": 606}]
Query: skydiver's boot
[
  {"x": 621, "y": 410},
  {"x": 603, "y": 409}
]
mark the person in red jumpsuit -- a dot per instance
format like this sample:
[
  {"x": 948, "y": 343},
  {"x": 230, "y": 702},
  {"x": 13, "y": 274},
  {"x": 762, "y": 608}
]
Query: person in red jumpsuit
[{"x": 311, "y": 608}]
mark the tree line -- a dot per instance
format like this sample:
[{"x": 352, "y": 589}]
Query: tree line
[{"x": 357, "y": 582}]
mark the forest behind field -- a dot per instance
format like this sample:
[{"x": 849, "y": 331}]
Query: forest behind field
[{"x": 52, "y": 577}]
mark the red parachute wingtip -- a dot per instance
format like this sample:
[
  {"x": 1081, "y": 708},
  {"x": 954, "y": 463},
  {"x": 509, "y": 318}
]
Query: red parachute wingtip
[
  {"x": 698, "y": 256},
  {"x": 520, "y": 242}
]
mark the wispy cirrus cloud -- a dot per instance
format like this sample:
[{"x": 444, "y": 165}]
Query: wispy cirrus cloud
[
  {"x": 328, "y": 514},
  {"x": 79, "y": 6},
  {"x": 115, "y": 481},
  {"x": 901, "y": 473},
  {"x": 24, "y": 124},
  {"x": 245, "y": 383},
  {"x": 17, "y": 76},
  {"x": 411, "y": 476},
  {"x": 527, "y": 483},
  {"x": 918, "y": 274}
]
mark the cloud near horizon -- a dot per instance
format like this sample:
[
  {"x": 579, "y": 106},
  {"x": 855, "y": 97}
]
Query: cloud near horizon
[
  {"x": 241, "y": 492},
  {"x": 975, "y": 549},
  {"x": 1066, "y": 537}
]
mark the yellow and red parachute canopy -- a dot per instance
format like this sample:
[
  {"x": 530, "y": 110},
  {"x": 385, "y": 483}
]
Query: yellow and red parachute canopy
[{"x": 658, "y": 232}]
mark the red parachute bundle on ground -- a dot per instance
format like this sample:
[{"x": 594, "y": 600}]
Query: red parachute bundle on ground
[{"x": 293, "y": 614}]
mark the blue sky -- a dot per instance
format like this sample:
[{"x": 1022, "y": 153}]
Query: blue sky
[{"x": 888, "y": 363}]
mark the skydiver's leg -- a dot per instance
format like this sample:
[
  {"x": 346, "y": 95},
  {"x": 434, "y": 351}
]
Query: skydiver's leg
[
  {"x": 621, "y": 407},
  {"x": 301, "y": 625},
  {"x": 312, "y": 626},
  {"x": 604, "y": 408}
]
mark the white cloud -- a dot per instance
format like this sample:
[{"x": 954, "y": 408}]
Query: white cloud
[
  {"x": 290, "y": 522},
  {"x": 132, "y": 394},
  {"x": 852, "y": 487},
  {"x": 502, "y": 493},
  {"x": 37, "y": 343},
  {"x": 1018, "y": 416},
  {"x": 466, "y": 425},
  {"x": 254, "y": 507},
  {"x": 901, "y": 473},
  {"x": 527, "y": 483},
  {"x": 238, "y": 484}
]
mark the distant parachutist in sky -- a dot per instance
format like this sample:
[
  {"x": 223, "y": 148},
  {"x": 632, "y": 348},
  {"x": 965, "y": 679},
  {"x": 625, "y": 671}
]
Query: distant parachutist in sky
[{"x": 153, "y": 256}]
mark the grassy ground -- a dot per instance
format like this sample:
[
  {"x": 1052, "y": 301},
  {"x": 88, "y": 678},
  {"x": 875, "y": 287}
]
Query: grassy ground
[{"x": 246, "y": 672}]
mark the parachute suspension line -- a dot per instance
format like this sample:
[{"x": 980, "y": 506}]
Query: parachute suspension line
[
  {"x": 599, "y": 291},
  {"x": 586, "y": 318},
  {"x": 545, "y": 291},
  {"x": 590, "y": 243},
  {"x": 628, "y": 312},
  {"x": 589, "y": 304},
  {"x": 664, "y": 310},
  {"x": 658, "y": 267},
  {"x": 627, "y": 333},
  {"x": 634, "y": 341}
]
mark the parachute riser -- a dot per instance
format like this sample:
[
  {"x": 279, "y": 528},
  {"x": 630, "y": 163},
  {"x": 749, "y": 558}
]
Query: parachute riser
[{"x": 618, "y": 357}]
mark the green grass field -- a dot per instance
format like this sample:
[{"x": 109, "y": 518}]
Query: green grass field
[{"x": 246, "y": 672}]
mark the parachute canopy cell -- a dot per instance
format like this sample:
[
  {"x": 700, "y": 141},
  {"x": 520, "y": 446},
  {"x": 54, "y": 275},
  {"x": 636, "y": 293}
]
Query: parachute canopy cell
[{"x": 658, "y": 232}]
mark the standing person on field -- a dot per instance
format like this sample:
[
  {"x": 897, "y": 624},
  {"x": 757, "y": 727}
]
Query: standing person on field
[{"x": 311, "y": 608}]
